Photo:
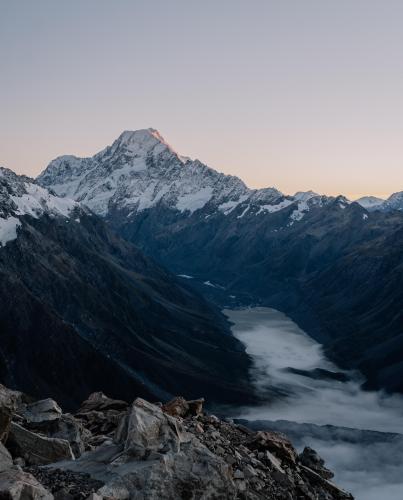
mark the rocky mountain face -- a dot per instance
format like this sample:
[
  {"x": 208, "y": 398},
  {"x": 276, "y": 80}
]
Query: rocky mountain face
[
  {"x": 332, "y": 265},
  {"x": 83, "y": 310},
  {"x": 140, "y": 171},
  {"x": 110, "y": 449}
]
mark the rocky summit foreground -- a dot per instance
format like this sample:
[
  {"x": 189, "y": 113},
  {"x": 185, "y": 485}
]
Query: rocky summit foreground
[{"x": 112, "y": 450}]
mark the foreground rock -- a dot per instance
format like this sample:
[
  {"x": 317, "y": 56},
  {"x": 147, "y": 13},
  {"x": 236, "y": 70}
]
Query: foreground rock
[
  {"x": 45, "y": 410},
  {"x": 36, "y": 449},
  {"x": 6, "y": 460},
  {"x": 148, "y": 451},
  {"x": 100, "y": 414},
  {"x": 197, "y": 456},
  {"x": 19, "y": 485},
  {"x": 8, "y": 404}
]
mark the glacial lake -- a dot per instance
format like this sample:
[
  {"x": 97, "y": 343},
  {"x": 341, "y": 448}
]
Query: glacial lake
[{"x": 363, "y": 446}]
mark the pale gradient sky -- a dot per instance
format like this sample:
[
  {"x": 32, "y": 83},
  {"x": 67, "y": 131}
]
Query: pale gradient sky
[{"x": 287, "y": 93}]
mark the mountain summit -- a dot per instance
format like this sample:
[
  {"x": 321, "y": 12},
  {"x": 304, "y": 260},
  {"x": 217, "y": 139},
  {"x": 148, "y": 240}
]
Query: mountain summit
[{"x": 140, "y": 170}]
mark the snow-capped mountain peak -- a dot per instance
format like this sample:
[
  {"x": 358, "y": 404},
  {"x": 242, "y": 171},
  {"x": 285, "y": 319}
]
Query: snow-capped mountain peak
[
  {"x": 140, "y": 170},
  {"x": 142, "y": 142}
]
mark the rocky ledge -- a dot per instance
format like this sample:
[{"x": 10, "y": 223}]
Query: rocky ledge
[{"x": 112, "y": 450}]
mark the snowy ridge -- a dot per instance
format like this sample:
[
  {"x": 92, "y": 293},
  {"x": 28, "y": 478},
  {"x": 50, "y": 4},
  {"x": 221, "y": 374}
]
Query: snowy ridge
[
  {"x": 19, "y": 196},
  {"x": 394, "y": 202},
  {"x": 370, "y": 202},
  {"x": 140, "y": 170}
]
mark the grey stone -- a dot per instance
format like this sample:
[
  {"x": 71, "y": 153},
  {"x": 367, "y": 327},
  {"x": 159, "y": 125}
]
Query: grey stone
[
  {"x": 150, "y": 429},
  {"x": 42, "y": 411},
  {"x": 66, "y": 427},
  {"x": 274, "y": 462},
  {"x": 311, "y": 459},
  {"x": 238, "y": 474},
  {"x": 37, "y": 449},
  {"x": 196, "y": 406},
  {"x": 177, "y": 407},
  {"x": 6, "y": 460},
  {"x": 19, "y": 485},
  {"x": 19, "y": 461},
  {"x": 192, "y": 473},
  {"x": 274, "y": 442},
  {"x": 8, "y": 403}
]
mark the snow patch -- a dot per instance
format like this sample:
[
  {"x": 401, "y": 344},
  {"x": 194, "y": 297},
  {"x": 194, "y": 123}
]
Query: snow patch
[
  {"x": 274, "y": 208},
  {"x": 244, "y": 212},
  {"x": 194, "y": 201},
  {"x": 8, "y": 229},
  {"x": 229, "y": 206}
]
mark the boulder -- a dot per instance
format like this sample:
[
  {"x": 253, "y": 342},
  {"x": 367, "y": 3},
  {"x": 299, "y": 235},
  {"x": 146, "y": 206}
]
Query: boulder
[
  {"x": 98, "y": 401},
  {"x": 8, "y": 404},
  {"x": 6, "y": 460},
  {"x": 192, "y": 473},
  {"x": 42, "y": 411},
  {"x": 275, "y": 442},
  {"x": 327, "y": 485},
  {"x": 196, "y": 406},
  {"x": 37, "y": 449},
  {"x": 5, "y": 421},
  {"x": 150, "y": 429},
  {"x": 100, "y": 414},
  {"x": 311, "y": 459},
  {"x": 66, "y": 427},
  {"x": 179, "y": 407},
  {"x": 18, "y": 485}
]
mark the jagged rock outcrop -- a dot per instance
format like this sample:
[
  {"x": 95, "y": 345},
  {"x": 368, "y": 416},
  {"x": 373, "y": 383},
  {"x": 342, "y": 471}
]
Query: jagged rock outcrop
[
  {"x": 151, "y": 451},
  {"x": 36, "y": 449},
  {"x": 41, "y": 411}
]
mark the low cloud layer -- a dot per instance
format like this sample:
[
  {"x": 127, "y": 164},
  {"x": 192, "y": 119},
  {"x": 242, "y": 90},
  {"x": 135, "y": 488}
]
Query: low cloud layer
[{"x": 318, "y": 392}]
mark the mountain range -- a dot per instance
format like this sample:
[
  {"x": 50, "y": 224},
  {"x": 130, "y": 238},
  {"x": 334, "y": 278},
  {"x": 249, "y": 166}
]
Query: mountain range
[
  {"x": 83, "y": 310},
  {"x": 331, "y": 264}
]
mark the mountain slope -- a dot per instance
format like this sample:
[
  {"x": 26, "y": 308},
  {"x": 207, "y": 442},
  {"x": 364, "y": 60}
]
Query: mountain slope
[
  {"x": 338, "y": 272},
  {"x": 83, "y": 310},
  {"x": 332, "y": 265}
]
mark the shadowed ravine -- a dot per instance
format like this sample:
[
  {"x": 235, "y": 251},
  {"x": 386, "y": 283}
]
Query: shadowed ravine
[{"x": 306, "y": 388}]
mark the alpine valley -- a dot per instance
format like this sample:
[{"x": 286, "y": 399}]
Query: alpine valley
[
  {"x": 138, "y": 274},
  {"x": 332, "y": 265},
  {"x": 78, "y": 299}
]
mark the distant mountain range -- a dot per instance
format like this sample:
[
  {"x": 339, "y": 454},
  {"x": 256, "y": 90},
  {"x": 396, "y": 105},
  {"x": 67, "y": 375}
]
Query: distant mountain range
[
  {"x": 333, "y": 265},
  {"x": 141, "y": 170},
  {"x": 83, "y": 310}
]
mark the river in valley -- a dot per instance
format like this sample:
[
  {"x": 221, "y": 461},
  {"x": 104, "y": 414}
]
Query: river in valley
[{"x": 359, "y": 433}]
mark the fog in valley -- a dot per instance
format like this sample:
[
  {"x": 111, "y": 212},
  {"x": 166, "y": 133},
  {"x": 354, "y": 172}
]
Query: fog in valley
[{"x": 304, "y": 387}]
